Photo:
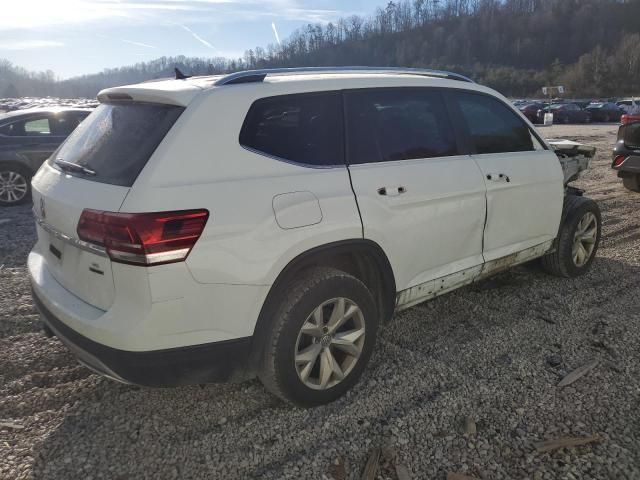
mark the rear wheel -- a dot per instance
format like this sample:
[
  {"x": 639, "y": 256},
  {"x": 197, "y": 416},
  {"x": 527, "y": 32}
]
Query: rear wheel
[
  {"x": 578, "y": 238},
  {"x": 15, "y": 185},
  {"x": 632, "y": 183},
  {"x": 321, "y": 339}
]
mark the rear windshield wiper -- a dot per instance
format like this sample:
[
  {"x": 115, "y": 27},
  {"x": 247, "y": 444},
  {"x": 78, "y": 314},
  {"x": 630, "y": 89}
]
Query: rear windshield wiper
[{"x": 74, "y": 167}]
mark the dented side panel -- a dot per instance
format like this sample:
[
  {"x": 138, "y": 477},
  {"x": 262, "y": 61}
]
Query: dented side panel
[{"x": 434, "y": 288}]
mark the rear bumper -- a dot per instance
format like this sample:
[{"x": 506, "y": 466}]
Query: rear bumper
[
  {"x": 214, "y": 362},
  {"x": 630, "y": 166}
]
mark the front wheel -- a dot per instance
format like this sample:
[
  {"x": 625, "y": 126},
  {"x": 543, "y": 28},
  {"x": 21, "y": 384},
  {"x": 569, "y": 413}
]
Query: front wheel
[
  {"x": 321, "y": 338},
  {"x": 578, "y": 238},
  {"x": 15, "y": 185}
]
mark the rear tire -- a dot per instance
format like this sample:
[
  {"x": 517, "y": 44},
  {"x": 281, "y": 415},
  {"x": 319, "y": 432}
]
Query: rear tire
[
  {"x": 578, "y": 238},
  {"x": 15, "y": 184},
  {"x": 632, "y": 183},
  {"x": 310, "y": 357}
]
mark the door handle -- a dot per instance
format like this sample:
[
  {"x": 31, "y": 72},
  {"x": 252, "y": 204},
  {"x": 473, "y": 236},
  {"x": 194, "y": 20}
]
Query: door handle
[
  {"x": 391, "y": 191},
  {"x": 501, "y": 177}
]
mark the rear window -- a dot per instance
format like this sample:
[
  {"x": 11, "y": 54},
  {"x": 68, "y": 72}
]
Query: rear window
[
  {"x": 116, "y": 140},
  {"x": 301, "y": 128}
]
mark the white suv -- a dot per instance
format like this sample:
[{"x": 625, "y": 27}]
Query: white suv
[{"x": 269, "y": 222}]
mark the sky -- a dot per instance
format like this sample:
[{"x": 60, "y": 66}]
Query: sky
[{"x": 72, "y": 37}]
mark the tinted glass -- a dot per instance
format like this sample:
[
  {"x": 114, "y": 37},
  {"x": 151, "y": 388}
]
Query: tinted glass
[
  {"x": 494, "y": 127},
  {"x": 116, "y": 141},
  {"x": 385, "y": 125},
  {"x": 305, "y": 128},
  {"x": 631, "y": 134},
  {"x": 65, "y": 123}
]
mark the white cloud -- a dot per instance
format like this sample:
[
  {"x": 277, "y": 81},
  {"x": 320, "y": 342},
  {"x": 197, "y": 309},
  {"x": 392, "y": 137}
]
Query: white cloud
[
  {"x": 138, "y": 44},
  {"x": 29, "y": 44},
  {"x": 197, "y": 37},
  {"x": 275, "y": 32}
]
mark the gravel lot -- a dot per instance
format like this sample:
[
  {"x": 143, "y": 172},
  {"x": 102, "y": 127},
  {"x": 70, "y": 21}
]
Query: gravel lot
[{"x": 493, "y": 352}]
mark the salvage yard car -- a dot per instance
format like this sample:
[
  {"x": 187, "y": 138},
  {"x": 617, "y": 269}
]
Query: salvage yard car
[
  {"x": 604, "y": 112},
  {"x": 530, "y": 110},
  {"x": 27, "y": 138},
  {"x": 626, "y": 154},
  {"x": 564, "y": 113},
  {"x": 267, "y": 223},
  {"x": 630, "y": 106}
]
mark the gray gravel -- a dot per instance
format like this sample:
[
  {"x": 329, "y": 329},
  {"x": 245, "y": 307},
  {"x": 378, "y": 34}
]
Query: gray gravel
[{"x": 490, "y": 355}]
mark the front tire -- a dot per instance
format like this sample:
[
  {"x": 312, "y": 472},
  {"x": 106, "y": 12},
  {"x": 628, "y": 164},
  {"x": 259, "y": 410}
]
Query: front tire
[
  {"x": 321, "y": 338},
  {"x": 15, "y": 185},
  {"x": 632, "y": 183},
  {"x": 578, "y": 238}
]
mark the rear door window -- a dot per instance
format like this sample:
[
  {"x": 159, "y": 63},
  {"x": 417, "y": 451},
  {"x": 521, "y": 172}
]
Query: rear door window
[
  {"x": 116, "y": 140},
  {"x": 300, "y": 128},
  {"x": 31, "y": 127},
  {"x": 37, "y": 127},
  {"x": 492, "y": 126},
  {"x": 397, "y": 124}
]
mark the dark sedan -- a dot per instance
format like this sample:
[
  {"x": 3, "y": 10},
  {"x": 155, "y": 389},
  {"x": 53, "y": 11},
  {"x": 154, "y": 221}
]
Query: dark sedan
[
  {"x": 530, "y": 110},
  {"x": 27, "y": 139},
  {"x": 566, "y": 113},
  {"x": 604, "y": 112}
]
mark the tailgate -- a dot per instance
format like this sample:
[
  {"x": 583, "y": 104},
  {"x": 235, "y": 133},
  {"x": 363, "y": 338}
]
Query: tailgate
[{"x": 58, "y": 201}]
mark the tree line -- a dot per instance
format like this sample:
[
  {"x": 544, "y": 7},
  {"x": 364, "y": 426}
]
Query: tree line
[{"x": 516, "y": 46}]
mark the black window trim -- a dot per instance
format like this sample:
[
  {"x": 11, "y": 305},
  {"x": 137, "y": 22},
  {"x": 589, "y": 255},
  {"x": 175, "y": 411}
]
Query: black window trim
[
  {"x": 461, "y": 128},
  {"x": 464, "y": 144},
  {"x": 342, "y": 130}
]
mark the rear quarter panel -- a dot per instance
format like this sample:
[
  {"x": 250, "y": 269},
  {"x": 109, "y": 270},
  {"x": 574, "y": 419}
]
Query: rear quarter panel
[{"x": 201, "y": 164}]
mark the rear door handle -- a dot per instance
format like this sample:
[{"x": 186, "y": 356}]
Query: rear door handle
[{"x": 391, "y": 191}]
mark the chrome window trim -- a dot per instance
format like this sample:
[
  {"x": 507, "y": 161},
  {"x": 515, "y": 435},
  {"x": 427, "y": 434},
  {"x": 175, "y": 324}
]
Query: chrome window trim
[{"x": 76, "y": 242}]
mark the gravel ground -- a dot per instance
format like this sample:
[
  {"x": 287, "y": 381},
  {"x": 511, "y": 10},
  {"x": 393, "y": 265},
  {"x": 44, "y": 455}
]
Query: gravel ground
[{"x": 492, "y": 352}]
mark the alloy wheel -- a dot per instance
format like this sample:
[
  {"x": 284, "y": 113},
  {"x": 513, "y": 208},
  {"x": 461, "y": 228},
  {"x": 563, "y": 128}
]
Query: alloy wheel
[
  {"x": 13, "y": 186},
  {"x": 584, "y": 240},
  {"x": 330, "y": 343}
]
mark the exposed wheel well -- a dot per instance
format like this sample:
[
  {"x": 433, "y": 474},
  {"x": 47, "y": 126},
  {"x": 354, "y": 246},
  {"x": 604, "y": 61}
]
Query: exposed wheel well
[{"x": 361, "y": 258}]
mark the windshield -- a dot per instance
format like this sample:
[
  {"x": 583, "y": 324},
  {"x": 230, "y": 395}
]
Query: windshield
[{"x": 114, "y": 143}]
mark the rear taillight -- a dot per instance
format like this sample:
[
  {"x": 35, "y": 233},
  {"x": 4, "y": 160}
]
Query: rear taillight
[
  {"x": 143, "y": 238},
  {"x": 629, "y": 118},
  {"x": 619, "y": 160}
]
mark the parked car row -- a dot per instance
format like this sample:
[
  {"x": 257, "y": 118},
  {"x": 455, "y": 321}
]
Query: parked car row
[
  {"x": 23, "y": 103},
  {"x": 577, "y": 112}
]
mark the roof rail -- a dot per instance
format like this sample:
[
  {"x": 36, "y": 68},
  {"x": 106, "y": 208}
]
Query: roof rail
[{"x": 251, "y": 76}]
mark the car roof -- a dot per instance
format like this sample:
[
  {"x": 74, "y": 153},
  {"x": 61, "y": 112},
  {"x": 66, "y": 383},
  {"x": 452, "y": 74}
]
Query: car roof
[
  {"x": 182, "y": 91},
  {"x": 39, "y": 110}
]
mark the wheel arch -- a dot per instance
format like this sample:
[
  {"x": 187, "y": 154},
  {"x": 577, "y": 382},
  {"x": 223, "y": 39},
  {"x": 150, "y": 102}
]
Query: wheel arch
[
  {"x": 16, "y": 161},
  {"x": 362, "y": 258}
]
